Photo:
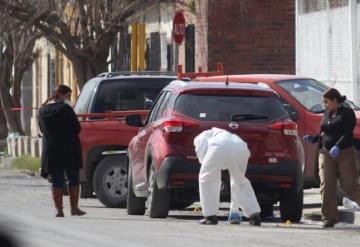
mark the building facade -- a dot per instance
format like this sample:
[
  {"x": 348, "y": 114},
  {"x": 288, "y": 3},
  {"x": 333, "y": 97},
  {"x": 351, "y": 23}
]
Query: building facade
[
  {"x": 50, "y": 69},
  {"x": 327, "y": 47},
  {"x": 248, "y": 36}
]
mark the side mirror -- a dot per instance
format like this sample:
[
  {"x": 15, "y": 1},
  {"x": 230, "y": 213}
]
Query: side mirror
[
  {"x": 134, "y": 120},
  {"x": 294, "y": 116},
  {"x": 148, "y": 103}
]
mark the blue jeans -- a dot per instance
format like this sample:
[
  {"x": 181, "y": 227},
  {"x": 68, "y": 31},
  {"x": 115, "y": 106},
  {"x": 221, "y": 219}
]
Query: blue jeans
[{"x": 58, "y": 177}]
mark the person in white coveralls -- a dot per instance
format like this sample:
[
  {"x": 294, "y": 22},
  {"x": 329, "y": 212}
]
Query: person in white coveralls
[{"x": 217, "y": 150}]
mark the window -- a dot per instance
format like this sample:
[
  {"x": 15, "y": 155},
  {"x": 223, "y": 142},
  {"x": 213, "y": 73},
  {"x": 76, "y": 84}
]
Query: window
[
  {"x": 83, "y": 102},
  {"x": 163, "y": 105},
  {"x": 309, "y": 94},
  {"x": 128, "y": 94},
  {"x": 307, "y": 6},
  {"x": 223, "y": 107},
  {"x": 155, "y": 109}
]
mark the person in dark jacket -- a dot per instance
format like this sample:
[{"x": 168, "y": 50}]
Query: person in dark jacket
[
  {"x": 61, "y": 148},
  {"x": 337, "y": 154}
]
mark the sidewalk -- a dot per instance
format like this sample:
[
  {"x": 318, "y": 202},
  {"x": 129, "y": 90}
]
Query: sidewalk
[
  {"x": 348, "y": 216},
  {"x": 312, "y": 204}
]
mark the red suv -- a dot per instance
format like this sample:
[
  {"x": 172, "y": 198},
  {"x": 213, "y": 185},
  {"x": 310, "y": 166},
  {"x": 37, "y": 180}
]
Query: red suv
[
  {"x": 102, "y": 106},
  {"x": 301, "y": 97},
  {"x": 163, "y": 166}
]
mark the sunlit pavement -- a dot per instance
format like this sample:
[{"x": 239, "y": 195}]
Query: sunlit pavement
[{"x": 27, "y": 211}]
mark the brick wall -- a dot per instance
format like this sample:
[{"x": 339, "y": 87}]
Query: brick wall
[{"x": 252, "y": 36}]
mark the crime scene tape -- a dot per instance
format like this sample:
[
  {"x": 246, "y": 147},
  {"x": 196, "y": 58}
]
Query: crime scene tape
[{"x": 24, "y": 108}]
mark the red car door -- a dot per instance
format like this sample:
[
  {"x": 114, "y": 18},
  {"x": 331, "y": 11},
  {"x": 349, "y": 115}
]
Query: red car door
[{"x": 139, "y": 152}]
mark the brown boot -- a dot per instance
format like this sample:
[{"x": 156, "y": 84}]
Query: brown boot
[
  {"x": 58, "y": 201},
  {"x": 74, "y": 201}
]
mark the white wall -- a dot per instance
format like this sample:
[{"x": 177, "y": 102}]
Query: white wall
[{"x": 323, "y": 47}]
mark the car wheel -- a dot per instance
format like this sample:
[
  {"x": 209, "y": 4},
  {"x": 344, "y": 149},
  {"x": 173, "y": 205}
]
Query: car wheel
[
  {"x": 267, "y": 210},
  {"x": 178, "y": 205},
  {"x": 87, "y": 191},
  {"x": 158, "y": 201},
  {"x": 291, "y": 206},
  {"x": 358, "y": 159},
  {"x": 135, "y": 205},
  {"x": 110, "y": 181}
]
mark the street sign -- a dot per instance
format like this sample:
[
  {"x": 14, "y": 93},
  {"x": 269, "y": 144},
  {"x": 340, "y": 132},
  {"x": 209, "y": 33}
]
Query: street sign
[{"x": 178, "y": 32}]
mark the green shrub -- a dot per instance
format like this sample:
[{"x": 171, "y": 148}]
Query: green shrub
[
  {"x": 26, "y": 162},
  {"x": 6, "y": 151}
]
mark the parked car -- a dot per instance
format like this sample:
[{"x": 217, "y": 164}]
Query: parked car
[
  {"x": 102, "y": 106},
  {"x": 163, "y": 166},
  {"x": 302, "y": 97}
]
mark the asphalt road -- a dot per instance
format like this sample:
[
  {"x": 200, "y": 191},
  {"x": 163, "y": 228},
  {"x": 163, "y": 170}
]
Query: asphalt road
[{"x": 27, "y": 212}]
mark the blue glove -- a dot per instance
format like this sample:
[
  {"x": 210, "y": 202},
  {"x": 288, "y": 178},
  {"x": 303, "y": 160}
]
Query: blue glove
[
  {"x": 309, "y": 139},
  {"x": 334, "y": 151}
]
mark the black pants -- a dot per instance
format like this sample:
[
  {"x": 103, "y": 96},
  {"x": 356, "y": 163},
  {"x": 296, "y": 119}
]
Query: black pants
[{"x": 58, "y": 177}]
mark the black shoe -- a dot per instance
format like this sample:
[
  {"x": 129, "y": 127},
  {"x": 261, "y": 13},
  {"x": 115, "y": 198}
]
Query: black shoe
[
  {"x": 255, "y": 220},
  {"x": 209, "y": 220},
  {"x": 328, "y": 224}
]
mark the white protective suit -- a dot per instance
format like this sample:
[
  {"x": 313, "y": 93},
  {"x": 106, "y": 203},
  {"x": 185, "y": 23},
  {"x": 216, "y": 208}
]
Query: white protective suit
[{"x": 217, "y": 150}]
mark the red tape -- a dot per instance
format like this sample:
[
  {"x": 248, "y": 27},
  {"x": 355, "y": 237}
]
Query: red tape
[{"x": 24, "y": 108}]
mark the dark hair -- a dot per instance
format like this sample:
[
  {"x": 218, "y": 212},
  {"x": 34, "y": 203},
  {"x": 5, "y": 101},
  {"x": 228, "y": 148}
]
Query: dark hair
[
  {"x": 332, "y": 94},
  {"x": 59, "y": 90}
]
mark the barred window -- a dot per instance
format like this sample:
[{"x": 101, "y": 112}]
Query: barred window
[{"x": 306, "y": 6}]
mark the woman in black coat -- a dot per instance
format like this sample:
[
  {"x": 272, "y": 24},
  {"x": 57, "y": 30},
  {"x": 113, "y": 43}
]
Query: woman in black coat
[{"x": 61, "y": 148}]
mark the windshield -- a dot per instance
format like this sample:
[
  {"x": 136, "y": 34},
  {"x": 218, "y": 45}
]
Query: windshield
[
  {"x": 131, "y": 94},
  {"x": 225, "y": 108},
  {"x": 309, "y": 93}
]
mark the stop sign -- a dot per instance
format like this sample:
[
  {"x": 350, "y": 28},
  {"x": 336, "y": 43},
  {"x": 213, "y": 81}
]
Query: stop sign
[{"x": 178, "y": 32}]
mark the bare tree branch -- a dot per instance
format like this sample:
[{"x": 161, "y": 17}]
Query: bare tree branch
[
  {"x": 17, "y": 41},
  {"x": 83, "y": 30}
]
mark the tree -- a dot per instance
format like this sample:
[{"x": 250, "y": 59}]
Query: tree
[
  {"x": 83, "y": 30},
  {"x": 3, "y": 127},
  {"x": 17, "y": 41}
]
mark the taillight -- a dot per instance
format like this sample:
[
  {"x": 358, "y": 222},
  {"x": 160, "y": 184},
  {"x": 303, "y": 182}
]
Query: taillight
[
  {"x": 177, "y": 125},
  {"x": 288, "y": 127}
]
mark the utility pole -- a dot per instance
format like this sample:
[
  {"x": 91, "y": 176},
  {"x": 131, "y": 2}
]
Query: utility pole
[
  {"x": 134, "y": 47},
  {"x": 354, "y": 50}
]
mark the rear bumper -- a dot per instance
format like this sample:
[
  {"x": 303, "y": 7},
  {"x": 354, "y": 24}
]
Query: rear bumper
[{"x": 286, "y": 176}]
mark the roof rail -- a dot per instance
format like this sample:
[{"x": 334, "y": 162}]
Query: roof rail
[
  {"x": 193, "y": 75},
  {"x": 128, "y": 73}
]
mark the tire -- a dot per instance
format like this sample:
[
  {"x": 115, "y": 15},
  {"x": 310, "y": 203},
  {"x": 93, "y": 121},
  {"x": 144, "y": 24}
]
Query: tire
[
  {"x": 267, "y": 210},
  {"x": 179, "y": 205},
  {"x": 158, "y": 201},
  {"x": 358, "y": 159},
  {"x": 291, "y": 206},
  {"x": 86, "y": 191},
  {"x": 135, "y": 205},
  {"x": 110, "y": 181}
]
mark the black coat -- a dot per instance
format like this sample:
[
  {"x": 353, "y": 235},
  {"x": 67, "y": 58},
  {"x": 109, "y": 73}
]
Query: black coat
[{"x": 60, "y": 133}]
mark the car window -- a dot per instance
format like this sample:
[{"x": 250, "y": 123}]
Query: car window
[
  {"x": 223, "y": 107},
  {"x": 128, "y": 94},
  {"x": 163, "y": 105},
  {"x": 155, "y": 108},
  {"x": 83, "y": 102},
  {"x": 309, "y": 93}
]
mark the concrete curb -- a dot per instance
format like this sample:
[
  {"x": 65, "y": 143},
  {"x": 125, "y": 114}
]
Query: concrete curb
[{"x": 348, "y": 216}]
